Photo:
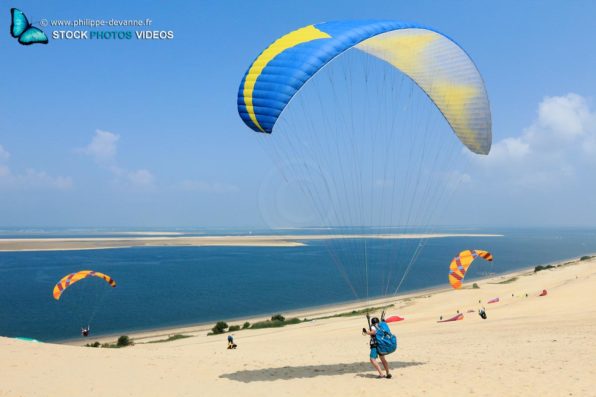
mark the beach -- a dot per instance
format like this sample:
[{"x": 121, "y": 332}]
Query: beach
[
  {"x": 71, "y": 244},
  {"x": 539, "y": 345}
]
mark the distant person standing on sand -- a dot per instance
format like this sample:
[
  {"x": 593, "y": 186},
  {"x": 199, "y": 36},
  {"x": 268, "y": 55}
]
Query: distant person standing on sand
[
  {"x": 231, "y": 344},
  {"x": 374, "y": 353}
]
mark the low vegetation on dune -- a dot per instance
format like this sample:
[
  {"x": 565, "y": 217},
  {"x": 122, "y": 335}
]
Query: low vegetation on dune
[
  {"x": 275, "y": 321},
  {"x": 546, "y": 267},
  {"x": 219, "y": 328},
  {"x": 278, "y": 320},
  {"x": 508, "y": 281},
  {"x": 540, "y": 268},
  {"x": 360, "y": 312},
  {"x": 171, "y": 338},
  {"x": 122, "y": 341}
]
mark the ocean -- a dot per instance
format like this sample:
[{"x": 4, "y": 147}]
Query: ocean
[{"x": 172, "y": 286}]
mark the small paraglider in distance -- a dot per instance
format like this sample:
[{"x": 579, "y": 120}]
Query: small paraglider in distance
[
  {"x": 460, "y": 264},
  {"x": 72, "y": 278}
]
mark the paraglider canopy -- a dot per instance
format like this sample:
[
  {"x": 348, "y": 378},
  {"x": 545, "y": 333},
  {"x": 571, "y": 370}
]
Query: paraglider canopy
[
  {"x": 457, "y": 317},
  {"x": 366, "y": 121},
  {"x": 72, "y": 278},
  {"x": 460, "y": 264},
  {"x": 433, "y": 61}
]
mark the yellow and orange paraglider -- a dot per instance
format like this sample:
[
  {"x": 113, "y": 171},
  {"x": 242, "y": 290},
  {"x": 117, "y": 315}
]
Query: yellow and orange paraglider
[
  {"x": 460, "y": 264},
  {"x": 72, "y": 278}
]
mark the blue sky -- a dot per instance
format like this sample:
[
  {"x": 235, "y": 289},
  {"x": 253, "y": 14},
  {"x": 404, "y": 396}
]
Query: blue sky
[{"x": 146, "y": 133}]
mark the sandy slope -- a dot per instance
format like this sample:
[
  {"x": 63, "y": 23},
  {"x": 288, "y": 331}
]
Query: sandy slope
[{"x": 539, "y": 346}]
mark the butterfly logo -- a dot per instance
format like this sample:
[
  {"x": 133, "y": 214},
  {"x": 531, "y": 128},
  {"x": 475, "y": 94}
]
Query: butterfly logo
[{"x": 21, "y": 29}]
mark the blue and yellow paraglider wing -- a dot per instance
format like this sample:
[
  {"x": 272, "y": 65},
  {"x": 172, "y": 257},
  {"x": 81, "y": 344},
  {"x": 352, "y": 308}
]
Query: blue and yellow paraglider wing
[{"x": 434, "y": 62}]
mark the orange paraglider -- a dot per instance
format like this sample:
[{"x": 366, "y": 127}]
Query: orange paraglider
[
  {"x": 72, "y": 278},
  {"x": 460, "y": 264}
]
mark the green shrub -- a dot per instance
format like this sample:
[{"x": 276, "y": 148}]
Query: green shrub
[
  {"x": 540, "y": 267},
  {"x": 275, "y": 323},
  {"x": 123, "y": 341},
  {"x": 267, "y": 324},
  {"x": 475, "y": 286},
  {"x": 94, "y": 344},
  {"x": 219, "y": 328},
  {"x": 233, "y": 328},
  {"x": 277, "y": 317},
  {"x": 585, "y": 257},
  {"x": 246, "y": 325}
]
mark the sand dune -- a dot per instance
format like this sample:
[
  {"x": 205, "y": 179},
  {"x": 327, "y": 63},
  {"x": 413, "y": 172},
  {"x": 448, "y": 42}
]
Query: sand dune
[{"x": 528, "y": 346}]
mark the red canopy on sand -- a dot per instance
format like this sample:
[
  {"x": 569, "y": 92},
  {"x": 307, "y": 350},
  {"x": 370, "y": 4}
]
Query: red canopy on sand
[
  {"x": 494, "y": 300},
  {"x": 394, "y": 319},
  {"x": 543, "y": 293}
]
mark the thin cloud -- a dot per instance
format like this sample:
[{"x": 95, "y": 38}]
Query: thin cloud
[
  {"x": 558, "y": 143},
  {"x": 30, "y": 178},
  {"x": 103, "y": 148},
  {"x": 140, "y": 178},
  {"x": 33, "y": 179},
  {"x": 4, "y": 155}
]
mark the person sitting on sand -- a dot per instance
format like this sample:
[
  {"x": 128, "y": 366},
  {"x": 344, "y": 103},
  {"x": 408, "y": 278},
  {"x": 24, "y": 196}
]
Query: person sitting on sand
[
  {"x": 482, "y": 313},
  {"x": 374, "y": 353},
  {"x": 85, "y": 331},
  {"x": 231, "y": 344}
]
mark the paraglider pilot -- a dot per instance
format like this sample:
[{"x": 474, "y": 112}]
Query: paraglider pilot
[
  {"x": 374, "y": 353},
  {"x": 231, "y": 344}
]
